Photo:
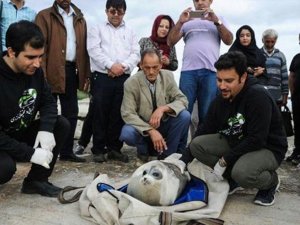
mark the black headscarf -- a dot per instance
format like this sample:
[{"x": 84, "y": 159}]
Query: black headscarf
[{"x": 254, "y": 55}]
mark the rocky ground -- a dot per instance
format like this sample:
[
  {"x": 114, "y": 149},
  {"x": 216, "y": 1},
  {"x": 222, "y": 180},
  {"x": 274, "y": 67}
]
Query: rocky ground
[{"x": 21, "y": 209}]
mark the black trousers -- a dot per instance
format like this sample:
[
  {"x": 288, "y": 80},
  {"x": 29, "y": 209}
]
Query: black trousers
[
  {"x": 87, "y": 127},
  {"x": 37, "y": 172},
  {"x": 296, "y": 119},
  {"x": 107, "y": 120},
  {"x": 69, "y": 105}
]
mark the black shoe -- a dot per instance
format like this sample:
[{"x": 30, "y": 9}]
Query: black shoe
[
  {"x": 71, "y": 158},
  {"x": 234, "y": 187},
  {"x": 79, "y": 149},
  {"x": 99, "y": 158},
  {"x": 115, "y": 155},
  {"x": 266, "y": 197},
  {"x": 294, "y": 156},
  {"x": 143, "y": 157},
  {"x": 43, "y": 188}
]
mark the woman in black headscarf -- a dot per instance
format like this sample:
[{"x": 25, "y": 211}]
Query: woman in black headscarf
[{"x": 245, "y": 43}]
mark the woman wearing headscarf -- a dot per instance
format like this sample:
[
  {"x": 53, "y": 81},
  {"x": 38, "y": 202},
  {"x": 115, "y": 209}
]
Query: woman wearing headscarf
[
  {"x": 158, "y": 39},
  {"x": 245, "y": 43}
]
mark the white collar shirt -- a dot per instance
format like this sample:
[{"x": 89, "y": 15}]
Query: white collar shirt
[
  {"x": 107, "y": 45},
  {"x": 269, "y": 54},
  {"x": 71, "y": 37}
]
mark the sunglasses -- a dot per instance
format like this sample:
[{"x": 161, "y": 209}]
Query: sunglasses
[{"x": 119, "y": 12}]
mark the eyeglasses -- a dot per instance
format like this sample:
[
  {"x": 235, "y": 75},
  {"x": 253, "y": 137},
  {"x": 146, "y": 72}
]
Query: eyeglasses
[{"x": 119, "y": 12}]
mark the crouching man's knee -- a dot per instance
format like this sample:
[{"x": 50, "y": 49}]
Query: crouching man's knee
[{"x": 243, "y": 177}]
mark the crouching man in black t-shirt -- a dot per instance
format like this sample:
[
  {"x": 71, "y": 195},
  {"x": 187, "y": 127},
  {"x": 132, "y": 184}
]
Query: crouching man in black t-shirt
[
  {"x": 24, "y": 93},
  {"x": 242, "y": 137}
]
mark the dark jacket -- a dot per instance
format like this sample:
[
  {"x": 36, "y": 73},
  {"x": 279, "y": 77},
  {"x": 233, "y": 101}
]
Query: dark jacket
[
  {"x": 22, "y": 96},
  {"x": 295, "y": 68},
  {"x": 250, "y": 122},
  {"x": 54, "y": 31}
]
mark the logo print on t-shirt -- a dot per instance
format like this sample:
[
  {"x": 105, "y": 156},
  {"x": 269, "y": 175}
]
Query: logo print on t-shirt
[
  {"x": 26, "y": 108},
  {"x": 235, "y": 124}
]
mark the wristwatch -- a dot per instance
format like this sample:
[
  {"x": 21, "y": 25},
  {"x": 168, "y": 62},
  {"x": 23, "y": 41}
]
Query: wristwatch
[{"x": 219, "y": 23}]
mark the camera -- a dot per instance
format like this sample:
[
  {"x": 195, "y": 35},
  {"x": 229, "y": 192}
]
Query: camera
[{"x": 197, "y": 14}]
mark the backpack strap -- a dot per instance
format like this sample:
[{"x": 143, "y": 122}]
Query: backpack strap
[
  {"x": 61, "y": 198},
  {"x": 206, "y": 221}
]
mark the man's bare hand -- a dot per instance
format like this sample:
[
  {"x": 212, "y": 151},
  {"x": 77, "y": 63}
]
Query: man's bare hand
[
  {"x": 116, "y": 70},
  {"x": 258, "y": 71},
  {"x": 210, "y": 15},
  {"x": 165, "y": 60},
  {"x": 158, "y": 141},
  {"x": 185, "y": 15},
  {"x": 156, "y": 117}
]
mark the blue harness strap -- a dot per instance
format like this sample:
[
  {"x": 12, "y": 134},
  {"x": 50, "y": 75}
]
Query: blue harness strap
[{"x": 195, "y": 190}]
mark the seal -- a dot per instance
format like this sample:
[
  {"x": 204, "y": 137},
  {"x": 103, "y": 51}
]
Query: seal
[{"x": 157, "y": 183}]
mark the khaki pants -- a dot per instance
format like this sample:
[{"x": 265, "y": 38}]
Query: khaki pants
[{"x": 255, "y": 169}]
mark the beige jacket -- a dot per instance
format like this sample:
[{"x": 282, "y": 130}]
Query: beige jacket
[
  {"x": 54, "y": 31},
  {"x": 137, "y": 105}
]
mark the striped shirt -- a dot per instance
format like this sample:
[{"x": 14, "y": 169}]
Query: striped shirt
[
  {"x": 10, "y": 14},
  {"x": 276, "y": 71}
]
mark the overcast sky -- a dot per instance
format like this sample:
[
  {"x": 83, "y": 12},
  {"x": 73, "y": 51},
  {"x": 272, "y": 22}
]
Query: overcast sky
[{"x": 282, "y": 16}]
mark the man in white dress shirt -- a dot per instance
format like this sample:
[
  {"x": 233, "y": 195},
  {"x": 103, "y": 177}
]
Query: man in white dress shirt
[{"x": 114, "y": 52}]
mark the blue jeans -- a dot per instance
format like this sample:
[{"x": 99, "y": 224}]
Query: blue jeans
[
  {"x": 201, "y": 85},
  {"x": 174, "y": 130}
]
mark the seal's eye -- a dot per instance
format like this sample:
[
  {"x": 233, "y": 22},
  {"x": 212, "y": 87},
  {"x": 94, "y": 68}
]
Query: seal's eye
[
  {"x": 155, "y": 174},
  {"x": 144, "y": 173}
]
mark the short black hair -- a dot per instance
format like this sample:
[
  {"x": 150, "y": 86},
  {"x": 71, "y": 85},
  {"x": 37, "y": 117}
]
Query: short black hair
[
  {"x": 150, "y": 51},
  {"x": 22, "y": 33},
  {"x": 233, "y": 59},
  {"x": 117, "y": 4}
]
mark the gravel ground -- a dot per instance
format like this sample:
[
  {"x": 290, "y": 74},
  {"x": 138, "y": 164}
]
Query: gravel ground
[{"x": 20, "y": 209}]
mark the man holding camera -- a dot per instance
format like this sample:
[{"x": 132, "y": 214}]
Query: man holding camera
[{"x": 202, "y": 46}]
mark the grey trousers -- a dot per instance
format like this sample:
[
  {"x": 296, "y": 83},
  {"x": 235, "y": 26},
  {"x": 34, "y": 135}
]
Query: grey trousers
[{"x": 252, "y": 170}]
